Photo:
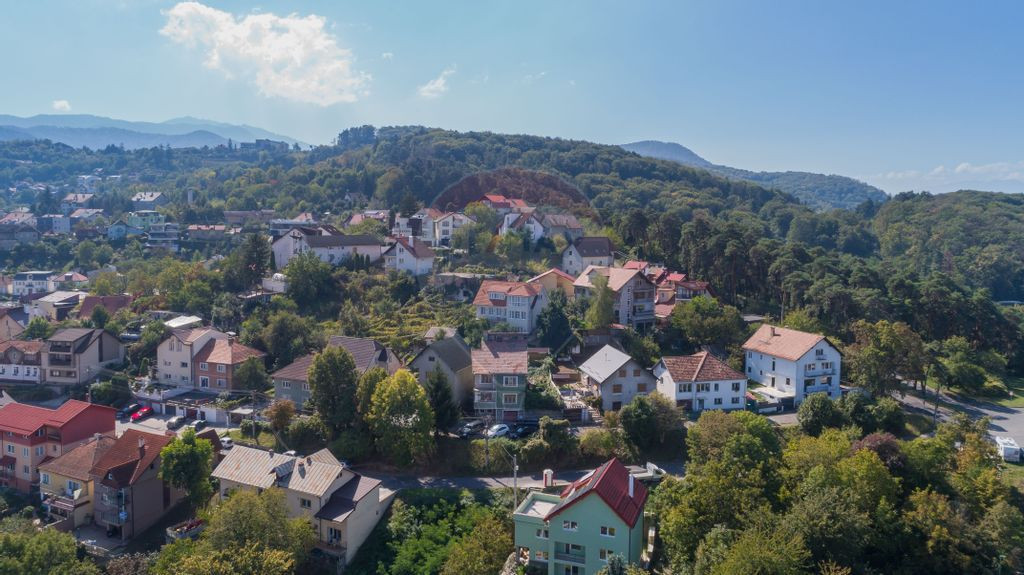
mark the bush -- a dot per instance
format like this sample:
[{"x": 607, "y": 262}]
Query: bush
[
  {"x": 351, "y": 445},
  {"x": 110, "y": 393},
  {"x": 605, "y": 443},
  {"x": 888, "y": 415},
  {"x": 247, "y": 425},
  {"x": 818, "y": 412},
  {"x": 542, "y": 396},
  {"x": 499, "y": 460},
  {"x": 306, "y": 434}
]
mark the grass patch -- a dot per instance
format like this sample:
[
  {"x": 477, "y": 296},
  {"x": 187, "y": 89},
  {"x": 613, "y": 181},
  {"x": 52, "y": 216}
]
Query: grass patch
[
  {"x": 917, "y": 424},
  {"x": 265, "y": 438},
  {"x": 1013, "y": 475},
  {"x": 1016, "y": 387}
]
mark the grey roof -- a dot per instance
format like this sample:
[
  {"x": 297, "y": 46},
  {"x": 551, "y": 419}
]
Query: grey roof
[
  {"x": 258, "y": 468},
  {"x": 593, "y": 247},
  {"x": 452, "y": 351},
  {"x": 344, "y": 500},
  {"x": 605, "y": 362},
  {"x": 342, "y": 240}
]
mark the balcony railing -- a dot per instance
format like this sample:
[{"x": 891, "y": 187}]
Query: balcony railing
[
  {"x": 820, "y": 371},
  {"x": 570, "y": 558}
]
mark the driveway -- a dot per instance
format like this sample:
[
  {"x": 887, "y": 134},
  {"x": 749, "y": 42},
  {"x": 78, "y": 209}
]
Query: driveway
[{"x": 1003, "y": 421}]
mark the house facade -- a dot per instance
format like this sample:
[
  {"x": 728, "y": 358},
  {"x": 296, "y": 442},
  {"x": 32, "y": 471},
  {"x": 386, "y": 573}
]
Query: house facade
[
  {"x": 633, "y": 294},
  {"x": 27, "y": 283},
  {"x": 216, "y": 362},
  {"x": 149, "y": 200},
  {"x": 174, "y": 356},
  {"x": 793, "y": 364},
  {"x": 515, "y": 303},
  {"x": 30, "y": 434},
  {"x": 701, "y": 381},
  {"x": 66, "y": 484},
  {"x": 292, "y": 381},
  {"x": 330, "y": 247},
  {"x": 586, "y": 252},
  {"x": 500, "y": 377},
  {"x": 452, "y": 356},
  {"x": 409, "y": 255},
  {"x": 74, "y": 356},
  {"x": 446, "y": 224},
  {"x": 576, "y": 531},
  {"x": 21, "y": 361},
  {"x": 616, "y": 377},
  {"x": 343, "y": 506},
  {"x": 9, "y": 327}
]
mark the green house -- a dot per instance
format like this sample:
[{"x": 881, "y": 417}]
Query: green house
[{"x": 574, "y": 532}]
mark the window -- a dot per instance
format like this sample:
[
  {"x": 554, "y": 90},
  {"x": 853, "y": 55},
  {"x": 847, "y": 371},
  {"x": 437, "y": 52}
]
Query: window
[
  {"x": 571, "y": 570},
  {"x": 184, "y": 378},
  {"x": 703, "y": 387},
  {"x": 542, "y": 534},
  {"x": 73, "y": 486},
  {"x": 826, "y": 365},
  {"x": 570, "y": 525},
  {"x": 735, "y": 386},
  {"x": 607, "y": 531},
  {"x": 510, "y": 380},
  {"x": 718, "y": 401},
  {"x": 24, "y": 469},
  {"x": 808, "y": 382},
  {"x": 735, "y": 400},
  {"x": 637, "y": 371},
  {"x": 305, "y": 503},
  {"x": 203, "y": 366},
  {"x": 819, "y": 352},
  {"x": 773, "y": 365},
  {"x": 10, "y": 448},
  {"x": 44, "y": 478},
  {"x": 430, "y": 358},
  {"x": 541, "y": 556},
  {"x": 509, "y": 398},
  {"x": 716, "y": 387},
  {"x": 827, "y": 380},
  {"x": 622, "y": 373},
  {"x": 616, "y": 405},
  {"x": 24, "y": 451},
  {"x": 184, "y": 364},
  {"x": 305, "y": 387},
  {"x": 616, "y": 388},
  {"x": 641, "y": 388},
  {"x": 604, "y": 554},
  {"x": 204, "y": 381},
  {"x": 749, "y": 355},
  {"x": 221, "y": 382},
  {"x": 40, "y": 450},
  {"x": 685, "y": 387},
  {"x": 221, "y": 368},
  {"x": 333, "y": 534}
]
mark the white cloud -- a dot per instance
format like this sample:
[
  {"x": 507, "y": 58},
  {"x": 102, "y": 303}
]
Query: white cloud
[
  {"x": 531, "y": 78},
  {"x": 387, "y": 56},
  {"x": 61, "y": 106},
  {"x": 292, "y": 57},
  {"x": 438, "y": 86}
]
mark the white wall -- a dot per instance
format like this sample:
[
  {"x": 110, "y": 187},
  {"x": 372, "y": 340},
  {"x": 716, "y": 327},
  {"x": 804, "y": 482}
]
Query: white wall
[
  {"x": 792, "y": 376},
  {"x": 730, "y": 397}
]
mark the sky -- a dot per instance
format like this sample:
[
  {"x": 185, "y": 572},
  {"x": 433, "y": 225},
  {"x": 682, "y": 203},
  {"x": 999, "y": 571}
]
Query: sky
[{"x": 907, "y": 95}]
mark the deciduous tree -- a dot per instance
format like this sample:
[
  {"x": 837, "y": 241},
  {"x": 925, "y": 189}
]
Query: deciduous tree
[
  {"x": 401, "y": 419},
  {"x": 332, "y": 388}
]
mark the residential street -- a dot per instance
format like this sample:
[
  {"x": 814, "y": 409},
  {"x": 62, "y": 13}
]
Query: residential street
[{"x": 1005, "y": 421}]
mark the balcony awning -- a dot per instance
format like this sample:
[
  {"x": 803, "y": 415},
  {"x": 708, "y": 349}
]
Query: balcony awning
[{"x": 7, "y": 461}]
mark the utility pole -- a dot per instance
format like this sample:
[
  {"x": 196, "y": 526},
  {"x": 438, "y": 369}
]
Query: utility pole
[{"x": 515, "y": 483}]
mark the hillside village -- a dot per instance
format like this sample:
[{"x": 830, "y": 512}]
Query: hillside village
[{"x": 325, "y": 363}]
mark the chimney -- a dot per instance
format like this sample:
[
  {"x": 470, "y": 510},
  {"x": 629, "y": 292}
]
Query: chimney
[
  {"x": 631, "y": 481},
  {"x": 773, "y": 330},
  {"x": 97, "y": 436}
]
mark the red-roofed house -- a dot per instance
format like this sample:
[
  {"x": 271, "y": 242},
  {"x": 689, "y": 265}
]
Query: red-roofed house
[
  {"x": 792, "y": 364},
  {"x": 21, "y": 361},
  {"x": 700, "y": 381},
  {"x": 516, "y": 303},
  {"x": 30, "y": 435},
  {"x": 499, "y": 376},
  {"x": 409, "y": 255},
  {"x": 130, "y": 496},
  {"x": 217, "y": 360},
  {"x": 599, "y": 515}
]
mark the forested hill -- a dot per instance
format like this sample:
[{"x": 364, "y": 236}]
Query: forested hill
[{"x": 819, "y": 191}]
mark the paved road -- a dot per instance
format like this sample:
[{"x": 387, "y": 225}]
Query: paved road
[{"x": 1004, "y": 421}]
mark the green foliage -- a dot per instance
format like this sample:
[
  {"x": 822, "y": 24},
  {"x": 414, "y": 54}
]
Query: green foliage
[
  {"x": 310, "y": 282},
  {"x": 401, "y": 419},
  {"x": 280, "y": 414},
  {"x": 186, "y": 462},
  {"x": 553, "y": 324},
  {"x": 45, "y": 552},
  {"x": 251, "y": 375},
  {"x": 884, "y": 354},
  {"x": 817, "y": 412},
  {"x": 99, "y": 317},
  {"x": 38, "y": 328},
  {"x": 707, "y": 321},
  {"x": 482, "y": 551},
  {"x": 439, "y": 394},
  {"x": 332, "y": 388},
  {"x": 352, "y": 445},
  {"x": 307, "y": 434},
  {"x": 600, "y": 313}
]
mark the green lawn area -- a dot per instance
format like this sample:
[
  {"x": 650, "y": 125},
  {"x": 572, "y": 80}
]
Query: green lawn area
[
  {"x": 917, "y": 424},
  {"x": 1013, "y": 475},
  {"x": 265, "y": 439},
  {"x": 1016, "y": 386}
]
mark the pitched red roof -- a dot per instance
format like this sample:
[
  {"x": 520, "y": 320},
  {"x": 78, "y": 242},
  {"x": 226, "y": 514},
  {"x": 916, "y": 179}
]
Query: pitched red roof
[
  {"x": 782, "y": 342},
  {"x": 26, "y": 419},
  {"x": 699, "y": 367},
  {"x": 125, "y": 461},
  {"x": 507, "y": 288},
  {"x": 635, "y": 265},
  {"x": 226, "y": 351},
  {"x": 611, "y": 483},
  {"x": 418, "y": 249},
  {"x": 112, "y": 303},
  {"x": 500, "y": 357},
  {"x": 25, "y": 347},
  {"x": 78, "y": 462}
]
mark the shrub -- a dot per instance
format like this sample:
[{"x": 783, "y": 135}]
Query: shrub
[
  {"x": 605, "y": 443},
  {"x": 306, "y": 434},
  {"x": 489, "y": 457},
  {"x": 352, "y": 445}
]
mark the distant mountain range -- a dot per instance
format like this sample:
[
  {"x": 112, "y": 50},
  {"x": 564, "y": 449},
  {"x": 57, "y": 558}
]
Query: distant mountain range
[
  {"x": 819, "y": 191},
  {"x": 96, "y": 132}
]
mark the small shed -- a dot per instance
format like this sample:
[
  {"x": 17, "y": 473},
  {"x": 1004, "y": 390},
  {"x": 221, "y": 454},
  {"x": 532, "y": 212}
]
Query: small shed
[{"x": 1008, "y": 448}]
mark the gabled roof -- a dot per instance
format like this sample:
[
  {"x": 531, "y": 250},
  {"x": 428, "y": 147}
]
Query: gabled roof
[
  {"x": 524, "y": 289},
  {"x": 258, "y": 468},
  {"x": 25, "y": 347},
  {"x": 129, "y": 457},
  {"x": 635, "y": 265},
  {"x": 365, "y": 352},
  {"x": 79, "y": 462},
  {"x": 62, "y": 296},
  {"x": 343, "y": 501},
  {"x": 554, "y": 271},
  {"x": 69, "y": 277},
  {"x": 326, "y": 241},
  {"x": 190, "y": 336},
  {"x": 452, "y": 351},
  {"x": 594, "y": 246},
  {"x": 605, "y": 363},
  {"x": 26, "y": 419},
  {"x": 617, "y": 277},
  {"x": 561, "y": 220},
  {"x": 699, "y": 367},
  {"x": 782, "y": 342},
  {"x": 499, "y": 357},
  {"x": 419, "y": 249},
  {"x": 610, "y": 482},
  {"x": 226, "y": 351},
  {"x": 112, "y": 303}
]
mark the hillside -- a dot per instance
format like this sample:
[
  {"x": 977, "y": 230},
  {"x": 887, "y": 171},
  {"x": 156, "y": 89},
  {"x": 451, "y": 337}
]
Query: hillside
[
  {"x": 537, "y": 188},
  {"x": 819, "y": 191}
]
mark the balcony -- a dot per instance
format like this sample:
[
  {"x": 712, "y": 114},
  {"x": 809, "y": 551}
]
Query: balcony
[
  {"x": 113, "y": 517},
  {"x": 488, "y": 385},
  {"x": 819, "y": 371},
  {"x": 60, "y": 361},
  {"x": 578, "y": 559}
]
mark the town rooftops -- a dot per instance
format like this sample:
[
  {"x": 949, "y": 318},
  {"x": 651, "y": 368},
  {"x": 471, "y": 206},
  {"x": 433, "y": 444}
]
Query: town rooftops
[
  {"x": 83, "y": 335},
  {"x": 605, "y": 363},
  {"x": 129, "y": 457},
  {"x": 699, "y": 367},
  {"x": 594, "y": 246},
  {"x": 560, "y": 221},
  {"x": 505, "y": 289},
  {"x": 617, "y": 277},
  {"x": 62, "y": 296},
  {"x": 112, "y": 303},
  {"x": 190, "y": 336},
  {"x": 85, "y": 213},
  {"x": 263, "y": 469},
  {"x": 500, "y": 357},
  {"x": 782, "y": 342},
  {"x": 612, "y": 483},
  {"x": 79, "y": 462},
  {"x": 365, "y": 352},
  {"x": 146, "y": 196},
  {"x": 78, "y": 198},
  {"x": 226, "y": 351},
  {"x": 552, "y": 271},
  {"x": 325, "y": 241},
  {"x": 69, "y": 277},
  {"x": 25, "y": 347},
  {"x": 26, "y": 419}
]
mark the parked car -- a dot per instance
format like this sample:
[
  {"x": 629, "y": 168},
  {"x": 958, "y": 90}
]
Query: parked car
[
  {"x": 198, "y": 424},
  {"x": 128, "y": 410},
  {"x": 499, "y": 430},
  {"x": 470, "y": 428},
  {"x": 142, "y": 413},
  {"x": 176, "y": 422},
  {"x": 226, "y": 443},
  {"x": 523, "y": 430}
]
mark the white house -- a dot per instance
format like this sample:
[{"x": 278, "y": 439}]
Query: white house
[
  {"x": 633, "y": 293},
  {"x": 174, "y": 355},
  {"x": 446, "y": 224},
  {"x": 792, "y": 364},
  {"x": 409, "y": 255},
  {"x": 528, "y": 222},
  {"x": 700, "y": 381},
  {"x": 329, "y": 247},
  {"x": 617, "y": 377},
  {"x": 27, "y": 283},
  {"x": 517, "y": 303},
  {"x": 585, "y": 252}
]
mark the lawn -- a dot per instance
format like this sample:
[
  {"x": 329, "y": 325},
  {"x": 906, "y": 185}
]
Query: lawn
[
  {"x": 265, "y": 439},
  {"x": 1013, "y": 475},
  {"x": 917, "y": 424},
  {"x": 1016, "y": 387}
]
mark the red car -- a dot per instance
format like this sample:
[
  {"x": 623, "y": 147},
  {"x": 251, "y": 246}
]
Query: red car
[{"x": 142, "y": 413}]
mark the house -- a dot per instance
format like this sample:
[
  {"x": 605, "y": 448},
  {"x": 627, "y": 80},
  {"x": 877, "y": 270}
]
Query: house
[
  {"x": 111, "y": 303},
  {"x": 175, "y": 355},
  {"x": 500, "y": 377},
  {"x": 292, "y": 381},
  {"x": 19, "y": 218},
  {"x": 26, "y": 283},
  {"x": 328, "y": 244},
  {"x": 409, "y": 255},
  {"x": 120, "y": 230},
  {"x": 21, "y": 361},
  {"x": 54, "y": 223},
  {"x": 343, "y": 506},
  {"x": 67, "y": 281},
  {"x": 552, "y": 280},
  {"x": 85, "y": 216},
  {"x": 565, "y": 225},
  {"x": 516, "y": 303},
  {"x": 616, "y": 377},
  {"x": 16, "y": 234},
  {"x": 9, "y": 327},
  {"x": 243, "y": 217},
  {"x": 208, "y": 232},
  {"x": 67, "y": 486},
  {"x": 74, "y": 356},
  {"x": 700, "y": 381},
  {"x": 149, "y": 200},
  {"x": 29, "y": 435},
  {"x": 633, "y": 294},
  {"x": 130, "y": 496},
  {"x": 56, "y": 306},
  {"x": 792, "y": 364},
  {"x": 144, "y": 219},
  {"x": 281, "y": 226},
  {"x": 163, "y": 236},
  {"x": 419, "y": 226},
  {"x": 72, "y": 202},
  {"x": 360, "y": 217},
  {"x": 446, "y": 224},
  {"x": 574, "y": 532},
  {"x": 217, "y": 360},
  {"x": 503, "y": 205},
  {"x": 452, "y": 356},
  {"x": 587, "y": 251},
  {"x": 527, "y": 222}
]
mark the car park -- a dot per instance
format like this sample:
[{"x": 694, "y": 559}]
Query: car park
[
  {"x": 175, "y": 422},
  {"x": 142, "y": 413},
  {"x": 498, "y": 430},
  {"x": 470, "y": 428},
  {"x": 523, "y": 430},
  {"x": 128, "y": 410}
]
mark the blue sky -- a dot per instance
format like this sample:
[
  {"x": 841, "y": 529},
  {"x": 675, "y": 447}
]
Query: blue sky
[{"x": 905, "y": 95}]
